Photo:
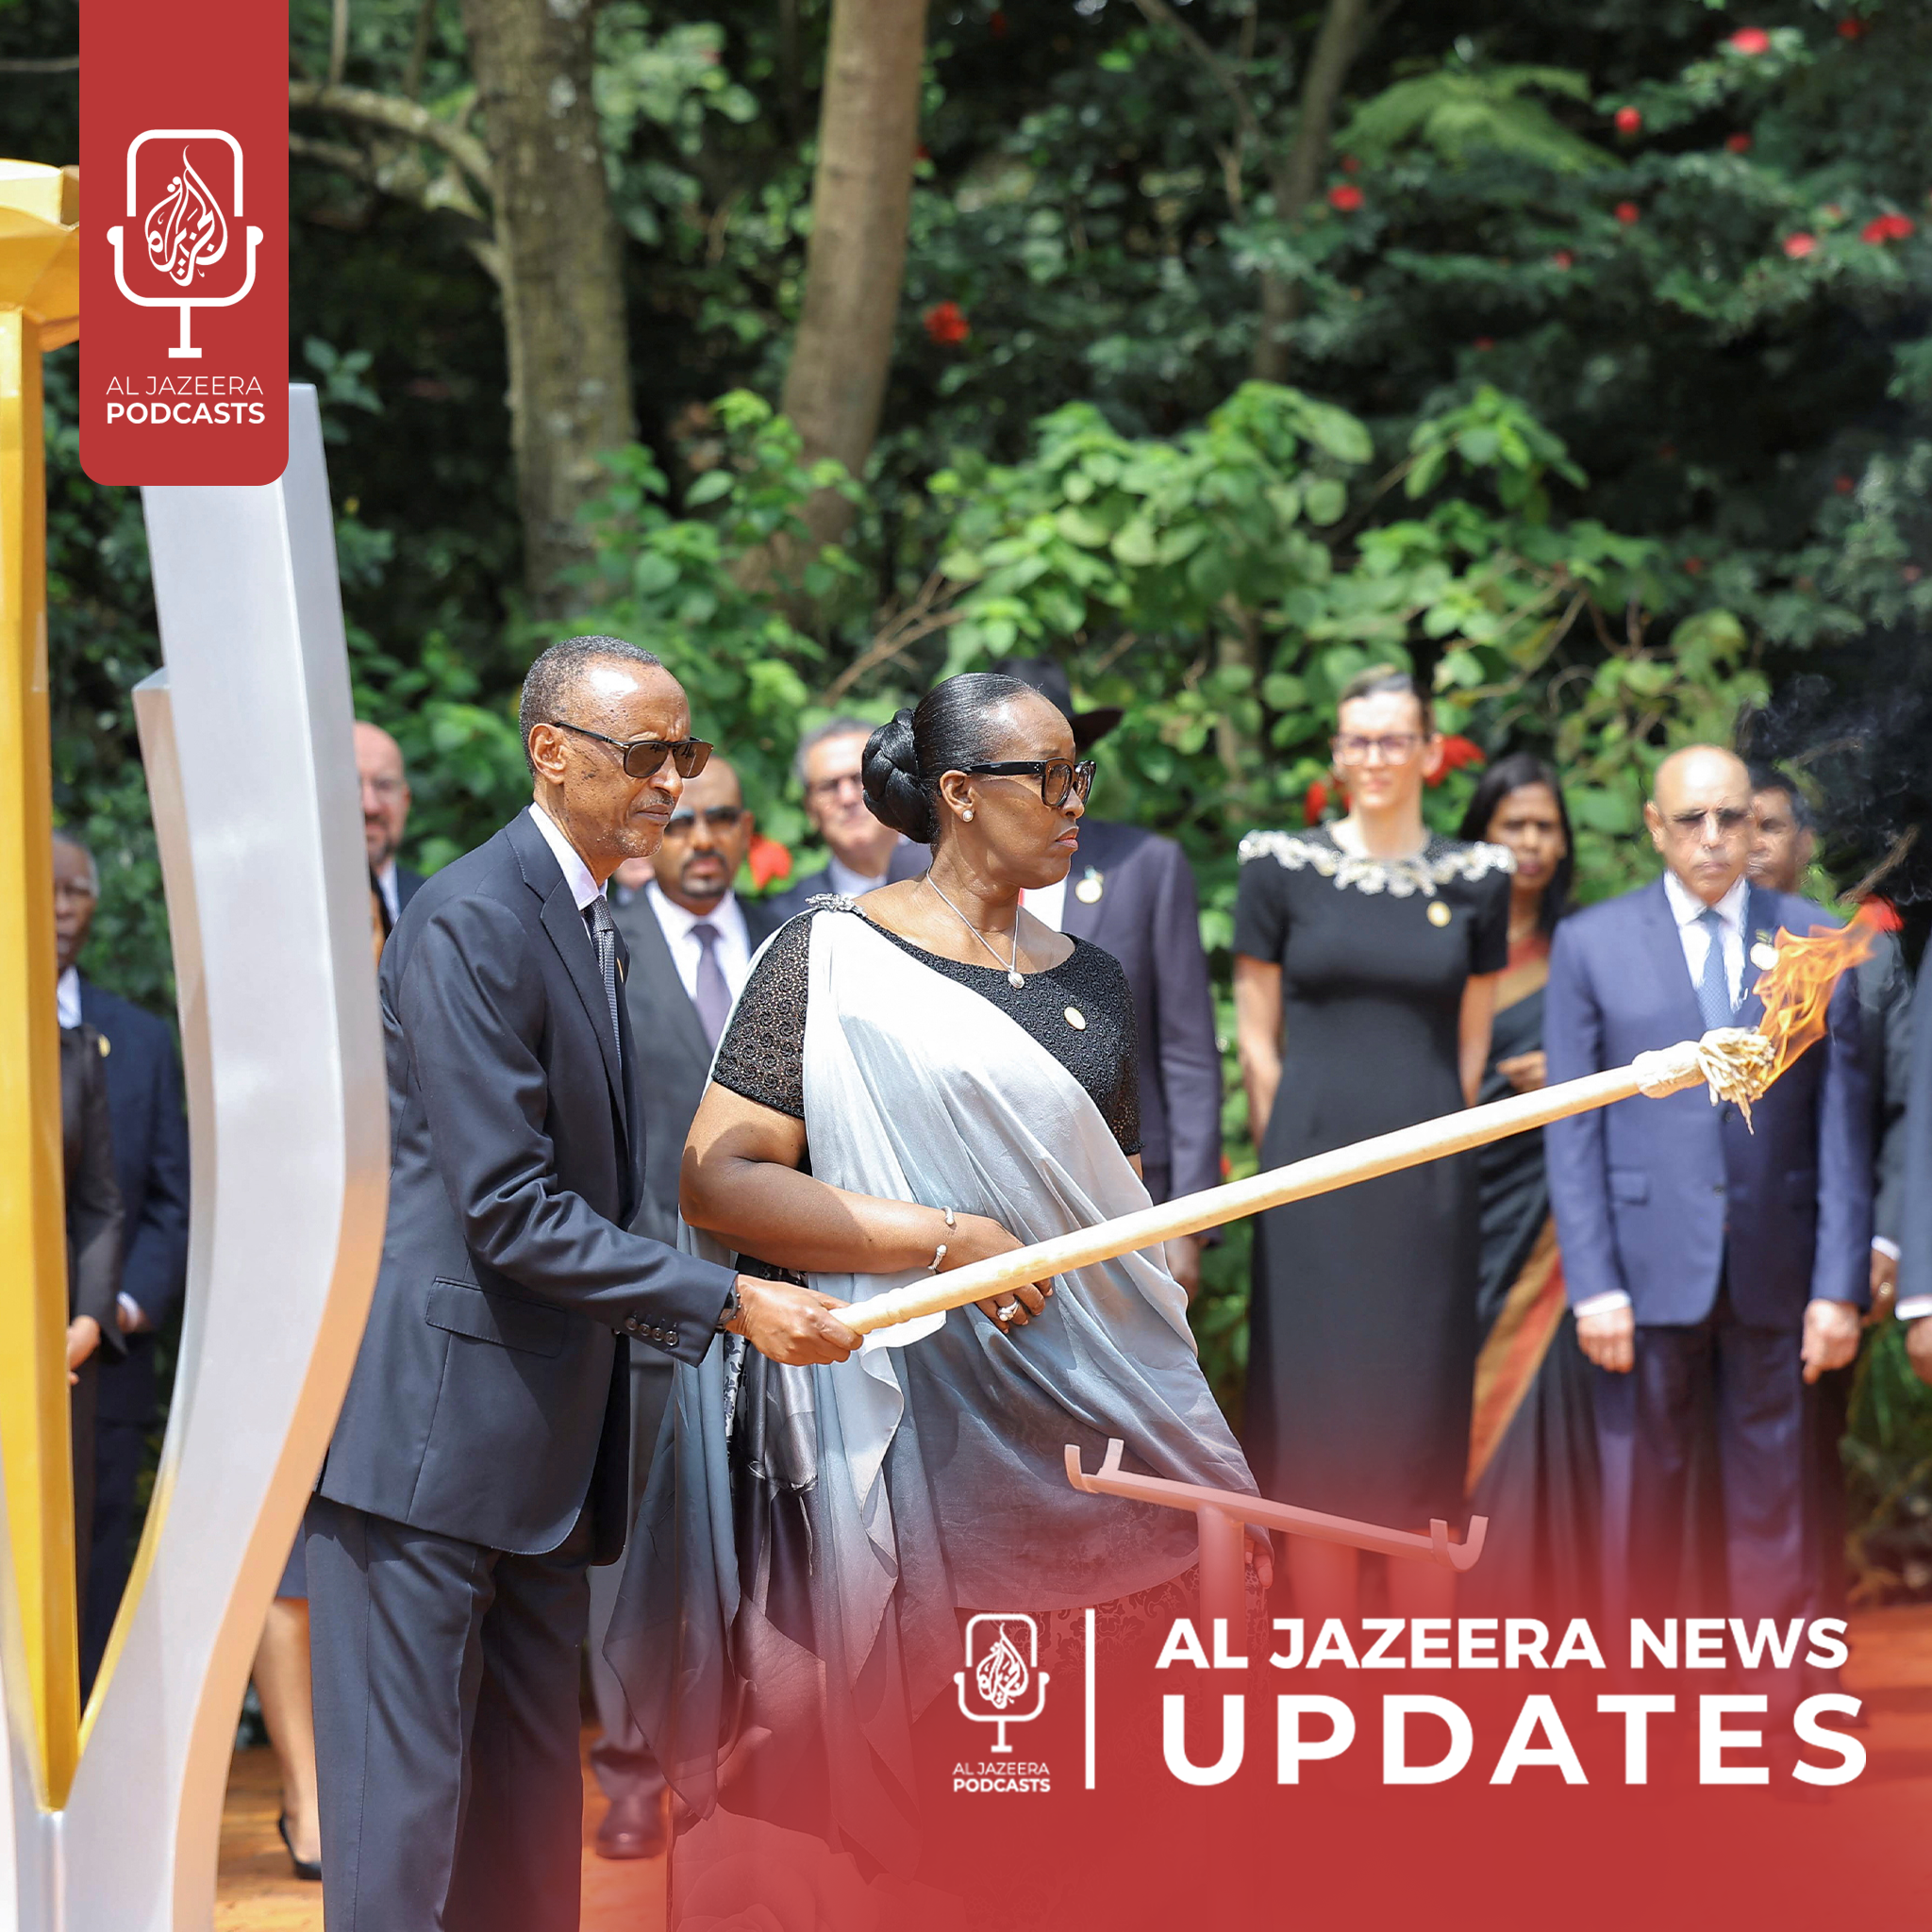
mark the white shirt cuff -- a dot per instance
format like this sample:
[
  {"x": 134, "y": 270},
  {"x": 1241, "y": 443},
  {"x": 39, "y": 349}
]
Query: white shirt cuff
[
  {"x": 1884, "y": 1245},
  {"x": 1604, "y": 1304},
  {"x": 1916, "y": 1310},
  {"x": 136, "y": 1315}
]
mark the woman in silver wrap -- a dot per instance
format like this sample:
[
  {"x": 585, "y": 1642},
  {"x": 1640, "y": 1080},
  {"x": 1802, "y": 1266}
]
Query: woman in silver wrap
[{"x": 918, "y": 1081}]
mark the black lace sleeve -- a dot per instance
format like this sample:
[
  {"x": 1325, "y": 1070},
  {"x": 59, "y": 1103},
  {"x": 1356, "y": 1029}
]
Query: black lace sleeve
[{"x": 762, "y": 1053}]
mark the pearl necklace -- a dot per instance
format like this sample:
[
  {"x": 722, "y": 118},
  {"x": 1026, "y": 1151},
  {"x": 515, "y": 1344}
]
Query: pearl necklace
[{"x": 1014, "y": 976}]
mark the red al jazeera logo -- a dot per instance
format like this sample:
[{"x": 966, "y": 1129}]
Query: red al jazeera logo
[{"x": 184, "y": 355}]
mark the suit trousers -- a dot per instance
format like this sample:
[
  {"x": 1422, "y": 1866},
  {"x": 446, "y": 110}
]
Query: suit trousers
[
  {"x": 446, "y": 1722},
  {"x": 621, "y": 1757},
  {"x": 1647, "y": 1424},
  {"x": 119, "y": 1447}
]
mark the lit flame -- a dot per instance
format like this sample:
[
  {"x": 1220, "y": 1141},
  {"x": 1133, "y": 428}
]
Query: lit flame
[
  {"x": 185, "y": 232},
  {"x": 1002, "y": 1674},
  {"x": 1796, "y": 987}
]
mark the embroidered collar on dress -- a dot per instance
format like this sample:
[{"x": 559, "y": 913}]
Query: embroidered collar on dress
[{"x": 1440, "y": 861}]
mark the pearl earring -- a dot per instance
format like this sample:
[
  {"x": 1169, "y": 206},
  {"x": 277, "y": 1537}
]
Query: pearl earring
[{"x": 967, "y": 815}]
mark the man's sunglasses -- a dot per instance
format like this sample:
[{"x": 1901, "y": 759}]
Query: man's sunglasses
[
  {"x": 720, "y": 818},
  {"x": 644, "y": 756},
  {"x": 1057, "y": 776}
]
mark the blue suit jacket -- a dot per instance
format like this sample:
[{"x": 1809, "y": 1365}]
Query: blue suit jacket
[
  {"x": 1665, "y": 1199},
  {"x": 1915, "y": 1230},
  {"x": 151, "y": 1164}
]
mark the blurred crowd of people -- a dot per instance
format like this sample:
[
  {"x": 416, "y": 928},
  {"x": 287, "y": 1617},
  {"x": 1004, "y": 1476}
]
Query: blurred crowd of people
[{"x": 1626, "y": 1340}]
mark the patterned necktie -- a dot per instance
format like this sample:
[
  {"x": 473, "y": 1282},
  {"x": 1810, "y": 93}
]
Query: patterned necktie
[
  {"x": 1714, "y": 986},
  {"x": 604, "y": 937},
  {"x": 713, "y": 997}
]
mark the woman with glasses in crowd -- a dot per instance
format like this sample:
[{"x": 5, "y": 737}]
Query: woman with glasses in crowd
[
  {"x": 910, "y": 1082},
  {"x": 1366, "y": 955},
  {"x": 1532, "y": 1456}
]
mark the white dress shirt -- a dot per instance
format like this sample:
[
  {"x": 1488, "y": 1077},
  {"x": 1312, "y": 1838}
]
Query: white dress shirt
[
  {"x": 842, "y": 878},
  {"x": 386, "y": 885},
  {"x": 1687, "y": 910},
  {"x": 733, "y": 944},
  {"x": 67, "y": 997},
  {"x": 1047, "y": 904},
  {"x": 577, "y": 874}
]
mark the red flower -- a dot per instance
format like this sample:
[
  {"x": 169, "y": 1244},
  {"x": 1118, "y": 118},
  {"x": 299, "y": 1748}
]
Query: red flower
[
  {"x": 1450, "y": 755},
  {"x": 1750, "y": 39},
  {"x": 1910, "y": 572},
  {"x": 998, "y": 24},
  {"x": 946, "y": 323},
  {"x": 1850, "y": 29},
  {"x": 1843, "y": 485},
  {"x": 1315, "y": 802},
  {"x": 1349, "y": 164},
  {"x": 1694, "y": 566},
  {"x": 766, "y": 860},
  {"x": 1799, "y": 245},
  {"x": 1628, "y": 120},
  {"x": 1563, "y": 258},
  {"x": 1886, "y": 228},
  {"x": 1739, "y": 143},
  {"x": 1483, "y": 343},
  {"x": 1345, "y": 197},
  {"x": 1628, "y": 213},
  {"x": 922, "y": 153}
]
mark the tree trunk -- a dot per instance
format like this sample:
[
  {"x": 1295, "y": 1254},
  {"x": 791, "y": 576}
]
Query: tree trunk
[
  {"x": 1297, "y": 176},
  {"x": 856, "y": 261},
  {"x": 563, "y": 270}
]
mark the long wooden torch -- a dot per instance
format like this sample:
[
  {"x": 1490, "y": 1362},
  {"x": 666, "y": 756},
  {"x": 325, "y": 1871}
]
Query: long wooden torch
[{"x": 1737, "y": 1064}]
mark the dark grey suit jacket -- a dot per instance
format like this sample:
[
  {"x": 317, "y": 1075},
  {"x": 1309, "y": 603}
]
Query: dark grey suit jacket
[
  {"x": 488, "y": 1401},
  {"x": 1885, "y": 1004},
  {"x": 1146, "y": 915},
  {"x": 794, "y": 898},
  {"x": 1915, "y": 1229},
  {"x": 675, "y": 1063}
]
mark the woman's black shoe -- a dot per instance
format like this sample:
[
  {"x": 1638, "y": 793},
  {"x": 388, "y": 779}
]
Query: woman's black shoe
[{"x": 309, "y": 1868}]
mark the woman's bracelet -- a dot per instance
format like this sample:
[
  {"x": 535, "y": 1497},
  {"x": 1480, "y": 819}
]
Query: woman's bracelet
[{"x": 938, "y": 1253}]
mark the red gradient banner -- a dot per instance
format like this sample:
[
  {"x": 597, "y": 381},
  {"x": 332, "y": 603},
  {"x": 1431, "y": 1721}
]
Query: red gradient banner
[{"x": 184, "y": 144}]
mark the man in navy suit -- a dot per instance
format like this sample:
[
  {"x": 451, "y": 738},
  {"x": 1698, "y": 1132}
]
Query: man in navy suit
[
  {"x": 151, "y": 1164},
  {"x": 1915, "y": 1229},
  {"x": 1132, "y": 893},
  {"x": 385, "y": 818},
  {"x": 1707, "y": 1263}
]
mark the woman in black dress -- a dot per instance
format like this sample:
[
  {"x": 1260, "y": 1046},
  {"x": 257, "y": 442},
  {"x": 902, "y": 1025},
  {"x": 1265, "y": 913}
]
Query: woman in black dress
[
  {"x": 1532, "y": 1453},
  {"x": 1366, "y": 955}
]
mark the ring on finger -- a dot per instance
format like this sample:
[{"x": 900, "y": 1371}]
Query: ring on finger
[{"x": 1007, "y": 1310}]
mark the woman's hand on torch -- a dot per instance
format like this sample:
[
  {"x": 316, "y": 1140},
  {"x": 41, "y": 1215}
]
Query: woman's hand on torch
[
  {"x": 798, "y": 1326},
  {"x": 1831, "y": 1336},
  {"x": 979, "y": 1238}
]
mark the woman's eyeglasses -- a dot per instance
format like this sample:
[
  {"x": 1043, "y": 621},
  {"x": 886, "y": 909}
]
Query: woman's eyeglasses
[
  {"x": 1397, "y": 748},
  {"x": 1057, "y": 776},
  {"x": 644, "y": 756}
]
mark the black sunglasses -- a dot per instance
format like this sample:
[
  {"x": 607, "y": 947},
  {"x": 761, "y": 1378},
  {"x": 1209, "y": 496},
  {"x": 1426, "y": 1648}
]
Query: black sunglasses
[
  {"x": 720, "y": 818},
  {"x": 1057, "y": 776},
  {"x": 644, "y": 756}
]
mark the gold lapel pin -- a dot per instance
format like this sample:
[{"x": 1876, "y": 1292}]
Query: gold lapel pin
[
  {"x": 1089, "y": 889},
  {"x": 1763, "y": 954},
  {"x": 1438, "y": 913}
]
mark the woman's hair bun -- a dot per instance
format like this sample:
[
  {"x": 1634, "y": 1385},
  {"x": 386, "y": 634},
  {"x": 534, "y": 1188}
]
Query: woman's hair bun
[{"x": 894, "y": 789}]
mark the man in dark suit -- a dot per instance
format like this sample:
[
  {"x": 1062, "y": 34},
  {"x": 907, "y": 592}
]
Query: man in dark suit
[
  {"x": 857, "y": 846},
  {"x": 1915, "y": 1224},
  {"x": 1132, "y": 893},
  {"x": 385, "y": 818},
  {"x": 150, "y": 1135},
  {"x": 1705, "y": 1261},
  {"x": 690, "y": 941},
  {"x": 481, "y": 1462},
  {"x": 1782, "y": 845}
]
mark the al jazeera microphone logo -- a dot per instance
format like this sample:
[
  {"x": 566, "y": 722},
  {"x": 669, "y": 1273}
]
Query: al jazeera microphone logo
[{"x": 1002, "y": 1685}]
